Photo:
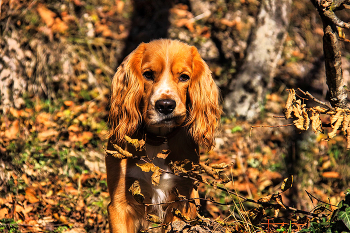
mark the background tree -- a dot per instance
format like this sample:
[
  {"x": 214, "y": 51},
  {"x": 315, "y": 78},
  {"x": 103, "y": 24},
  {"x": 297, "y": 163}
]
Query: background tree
[{"x": 247, "y": 89}]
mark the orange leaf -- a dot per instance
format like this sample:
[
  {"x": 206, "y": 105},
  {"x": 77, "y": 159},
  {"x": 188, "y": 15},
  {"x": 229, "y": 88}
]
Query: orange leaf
[
  {"x": 31, "y": 195},
  {"x": 12, "y": 132},
  {"x": 48, "y": 134},
  {"x": 3, "y": 213},
  {"x": 59, "y": 26},
  {"x": 120, "y": 6},
  {"x": 86, "y": 136},
  {"x": 71, "y": 190},
  {"x": 47, "y": 15},
  {"x": 50, "y": 19},
  {"x": 74, "y": 128},
  {"x": 68, "y": 103},
  {"x": 331, "y": 174}
]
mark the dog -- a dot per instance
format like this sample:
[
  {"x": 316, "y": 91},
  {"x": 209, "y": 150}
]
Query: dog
[{"x": 162, "y": 93}]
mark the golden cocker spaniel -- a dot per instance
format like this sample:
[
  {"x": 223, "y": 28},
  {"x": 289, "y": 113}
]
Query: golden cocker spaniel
[{"x": 163, "y": 93}]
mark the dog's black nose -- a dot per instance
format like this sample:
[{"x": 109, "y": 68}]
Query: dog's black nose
[{"x": 165, "y": 106}]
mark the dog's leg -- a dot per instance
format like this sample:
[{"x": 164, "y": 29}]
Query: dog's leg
[
  {"x": 188, "y": 209},
  {"x": 122, "y": 215}
]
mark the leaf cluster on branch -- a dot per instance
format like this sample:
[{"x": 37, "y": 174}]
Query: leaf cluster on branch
[{"x": 297, "y": 110}]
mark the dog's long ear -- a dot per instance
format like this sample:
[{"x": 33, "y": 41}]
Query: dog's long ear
[
  {"x": 127, "y": 90},
  {"x": 204, "y": 112}
]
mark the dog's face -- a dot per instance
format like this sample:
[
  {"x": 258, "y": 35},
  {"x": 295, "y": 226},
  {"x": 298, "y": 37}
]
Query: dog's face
[
  {"x": 161, "y": 85},
  {"x": 167, "y": 72}
]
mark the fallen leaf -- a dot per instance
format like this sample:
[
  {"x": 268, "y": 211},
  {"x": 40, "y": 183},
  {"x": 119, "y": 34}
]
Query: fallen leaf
[
  {"x": 331, "y": 174},
  {"x": 68, "y": 103},
  {"x": 48, "y": 134},
  {"x": 4, "y": 213},
  {"x": 74, "y": 128},
  {"x": 86, "y": 137},
  {"x": 12, "y": 132},
  {"x": 31, "y": 195},
  {"x": 47, "y": 16},
  {"x": 50, "y": 19}
]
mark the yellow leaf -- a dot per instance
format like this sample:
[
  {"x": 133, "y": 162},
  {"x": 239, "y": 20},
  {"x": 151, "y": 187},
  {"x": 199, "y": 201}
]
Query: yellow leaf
[
  {"x": 316, "y": 122},
  {"x": 156, "y": 176},
  {"x": 138, "y": 144},
  {"x": 265, "y": 199},
  {"x": 135, "y": 190},
  {"x": 153, "y": 218},
  {"x": 346, "y": 123},
  {"x": 338, "y": 114},
  {"x": 287, "y": 183},
  {"x": 303, "y": 121},
  {"x": 336, "y": 120},
  {"x": 290, "y": 100},
  {"x": 320, "y": 109},
  {"x": 164, "y": 154},
  {"x": 146, "y": 167},
  {"x": 279, "y": 201}
]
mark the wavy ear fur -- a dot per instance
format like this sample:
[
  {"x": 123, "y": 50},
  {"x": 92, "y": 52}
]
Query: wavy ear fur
[
  {"x": 204, "y": 112},
  {"x": 127, "y": 90}
]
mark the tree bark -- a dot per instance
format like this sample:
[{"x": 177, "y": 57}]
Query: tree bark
[
  {"x": 337, "y": 94},
  {"x": 247, "y": 90}
]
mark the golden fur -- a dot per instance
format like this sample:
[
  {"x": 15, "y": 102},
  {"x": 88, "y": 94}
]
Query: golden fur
[{"x": 163, "y": 88}]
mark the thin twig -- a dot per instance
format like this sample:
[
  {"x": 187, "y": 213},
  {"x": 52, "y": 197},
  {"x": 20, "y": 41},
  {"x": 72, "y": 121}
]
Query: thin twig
[{"x": 316, "y": 100}]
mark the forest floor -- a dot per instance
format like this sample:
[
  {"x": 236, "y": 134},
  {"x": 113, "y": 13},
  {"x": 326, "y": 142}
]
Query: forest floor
[{"x": 53, "y": 136}]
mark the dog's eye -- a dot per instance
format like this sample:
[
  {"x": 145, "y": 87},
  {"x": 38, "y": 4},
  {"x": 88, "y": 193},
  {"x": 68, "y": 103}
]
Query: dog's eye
[
  {"x": 148, "y": 75},
  {"x": 184, "y": 77}
]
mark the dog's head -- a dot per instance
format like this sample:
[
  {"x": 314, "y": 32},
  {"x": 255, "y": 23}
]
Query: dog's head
[{"x": 164, "y": 84}]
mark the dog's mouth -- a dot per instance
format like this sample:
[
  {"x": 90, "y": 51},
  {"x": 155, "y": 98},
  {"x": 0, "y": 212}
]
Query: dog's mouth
[{"x": 170, "y": 121}]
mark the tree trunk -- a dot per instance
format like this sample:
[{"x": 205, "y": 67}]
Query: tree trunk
[{"x": 247, "y": 90}]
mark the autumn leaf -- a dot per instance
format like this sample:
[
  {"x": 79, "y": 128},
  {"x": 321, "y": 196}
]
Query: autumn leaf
[
  {"x": 346, "y": 122},
  {"x": 48, "y": 134},
  {"x": 138, "y": 144},
  {"x": 331, "y": 174},
  {"x": 153, "y": 218},
  {"x": 146, "y": 167},
  {"x": 316, "y": 123},
  {"x": 289, "y": 107},
  {"x": 50, "y": 19},
  {"x": 31, "y": 195},
  {"x": 74, "y": 128},
  {"x": 279, "y": 201},
  {"x": 47, "y": 16},
  {"x": 13, "y": 131},
  {"x": 303, "y": 120},
  {"x": 164, "y": 154},
  {"x": 287, "y": 183},
  {"x": 156, "y": 176},
  {"x": 68, "y": 103},
  {"x": 135, "y": 190},
  {"x": 276, "y": 212},
  {"x": 265, "y": 199},
  {"x": 86, "y": 136},
  {"x": 4, "y": 213},
  {"x": 336, "y": 121}
]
